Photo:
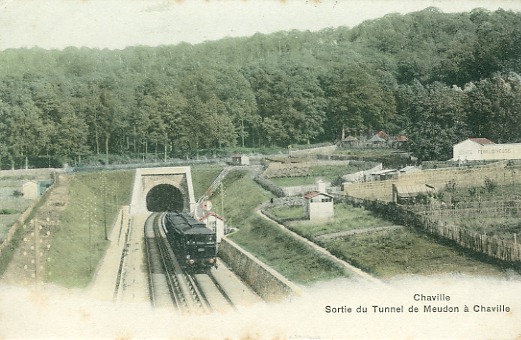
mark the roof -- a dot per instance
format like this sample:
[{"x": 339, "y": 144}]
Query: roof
[
  {"x": 186, "y": 223},
  {"x": 350, "y": 139},
  {"x": 482, "y": 141},
  {"x": 383, "y": 172},
  {"x": 376, "y": 138},
  {"x": 315, "y": 194},
  {"x": 382, "y": 134},
  {"x": 405, "y": 190},
  {"x": 401, "y": 138},
  {"x": 409, "y": 168}
]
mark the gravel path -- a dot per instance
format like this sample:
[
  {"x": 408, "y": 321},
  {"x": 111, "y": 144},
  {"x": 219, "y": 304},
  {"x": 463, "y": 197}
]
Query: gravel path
[{"x": 340, "y": 234}]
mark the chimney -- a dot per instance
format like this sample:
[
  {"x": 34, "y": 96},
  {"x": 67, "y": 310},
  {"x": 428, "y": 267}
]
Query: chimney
[{"x": 321, "y": 186}]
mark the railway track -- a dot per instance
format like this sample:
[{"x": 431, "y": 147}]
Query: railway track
[{"x": 171, "y": 286}]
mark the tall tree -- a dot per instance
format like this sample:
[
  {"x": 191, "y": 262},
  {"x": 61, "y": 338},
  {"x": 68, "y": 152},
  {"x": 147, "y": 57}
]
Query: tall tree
[{"x": 436, "y": 119}]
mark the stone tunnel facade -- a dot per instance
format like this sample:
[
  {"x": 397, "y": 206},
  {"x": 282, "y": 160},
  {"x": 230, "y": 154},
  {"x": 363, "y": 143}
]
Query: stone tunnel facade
[{"x": 162, "y": 189}]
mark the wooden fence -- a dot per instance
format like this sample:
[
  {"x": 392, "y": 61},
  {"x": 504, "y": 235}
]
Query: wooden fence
[
  {"x": 493, "y": 246},
  {"x": 489, "y": 209},
  {"x": 499, "y": 172}
]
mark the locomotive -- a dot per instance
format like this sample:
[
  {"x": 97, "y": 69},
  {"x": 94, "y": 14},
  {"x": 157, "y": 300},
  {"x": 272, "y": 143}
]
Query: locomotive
[{"x": 192, "y": 242}]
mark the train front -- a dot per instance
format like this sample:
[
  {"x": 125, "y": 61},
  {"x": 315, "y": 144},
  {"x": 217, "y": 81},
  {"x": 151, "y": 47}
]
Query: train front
[{"x": 200, "y": 248}]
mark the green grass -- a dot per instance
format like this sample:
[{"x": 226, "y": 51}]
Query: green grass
[
  {"x": 239, "y": 197},
  {"x": 398, "y": 252},
  {"x": 347, "y": 217},
  {"x": 288, "y": 213},
  {"x": 202, "y": 177},
  {"x": 492, "y": 219},
  {"x": 79, "y": 242},
  {"x": 9, "y": 211},
  {"x": 293, "y": 259}
]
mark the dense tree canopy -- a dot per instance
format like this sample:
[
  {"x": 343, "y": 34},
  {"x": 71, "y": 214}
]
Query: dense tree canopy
[{"x": 436, "y": 77}]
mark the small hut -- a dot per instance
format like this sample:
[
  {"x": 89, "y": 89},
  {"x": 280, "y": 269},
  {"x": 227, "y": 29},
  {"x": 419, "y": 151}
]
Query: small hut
[
  {"x": 319, "y": 204},
  {"x": 240, "y": 160},
  {"x": 409, "y": 192},
  {"x": 31, "y": 190}
]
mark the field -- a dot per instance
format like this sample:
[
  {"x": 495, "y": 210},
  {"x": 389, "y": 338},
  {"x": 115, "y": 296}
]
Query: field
[
  {"x": 404, "y": 252},
  {"x": 346, "y": 218},
  {"x": 202, "y": 178},
  {"x": 79, "y": 242},
  {"x": 488, "y": 209},
  {"x": 385, "y": 253},
  {"x": 293, "y": 259}
]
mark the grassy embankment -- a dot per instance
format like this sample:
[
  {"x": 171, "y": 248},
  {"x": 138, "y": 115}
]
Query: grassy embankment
[
  {"x": 405, "y": 252},
  {"x": 346, "y": 218},
  {"x": 203, "y": 176},
  {"x": 386, "y": 253},
  {"x": 75, "y": 252},
  {"x": 292, "y": 258},
  {"x": 79, "y": 242}
]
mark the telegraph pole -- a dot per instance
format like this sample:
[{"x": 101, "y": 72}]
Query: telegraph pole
[
  {"x": 36, "y": 252},
  {"x": 105, "y": 204}
]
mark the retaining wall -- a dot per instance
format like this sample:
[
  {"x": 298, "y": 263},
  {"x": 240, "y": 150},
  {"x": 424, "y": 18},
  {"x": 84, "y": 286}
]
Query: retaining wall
[
  {"x": 48, "y": 172},
  {"x": 265, "y": 281},
  {"x": 329, "y": 149}
]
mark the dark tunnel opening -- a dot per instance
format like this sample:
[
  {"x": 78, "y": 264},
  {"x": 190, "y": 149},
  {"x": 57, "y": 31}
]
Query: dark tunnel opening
[{"x": 164, "y": 197}]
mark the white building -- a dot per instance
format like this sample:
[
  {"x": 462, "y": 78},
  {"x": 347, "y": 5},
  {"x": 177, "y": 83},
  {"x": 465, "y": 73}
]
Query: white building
[
  {"x": 483, "y": 149},
  {"x": 319, "y": 206},
  {"x": 30, "y": 190}
]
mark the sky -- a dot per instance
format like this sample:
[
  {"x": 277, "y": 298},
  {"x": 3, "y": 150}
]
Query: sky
[{"x": 116, "y": 24}]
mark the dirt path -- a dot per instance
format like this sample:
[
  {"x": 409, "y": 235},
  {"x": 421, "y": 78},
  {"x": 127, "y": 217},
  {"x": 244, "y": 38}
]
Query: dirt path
[{"x": 340, "y": 234}]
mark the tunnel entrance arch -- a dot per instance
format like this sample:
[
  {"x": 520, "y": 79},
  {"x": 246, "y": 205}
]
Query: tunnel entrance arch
[
  {"x": 162, "y": 189},
  {"x": 164, "y": 197}
]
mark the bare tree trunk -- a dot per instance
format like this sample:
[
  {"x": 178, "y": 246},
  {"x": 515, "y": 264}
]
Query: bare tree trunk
[{"x": 107, "y": 137}]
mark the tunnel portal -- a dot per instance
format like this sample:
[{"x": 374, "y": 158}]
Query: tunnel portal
[{"x": 165, "y": 197}]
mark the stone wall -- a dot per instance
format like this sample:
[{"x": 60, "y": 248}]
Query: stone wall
[
  {"x": 39, "y": 173},
  {"x": 265, "y": 281}
]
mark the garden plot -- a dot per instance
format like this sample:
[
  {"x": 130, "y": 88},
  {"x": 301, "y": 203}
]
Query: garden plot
[
  {"x": 403, "y": 252},
  {"x": 489, "y": 209},
  {"x": 347, "y": 219}
]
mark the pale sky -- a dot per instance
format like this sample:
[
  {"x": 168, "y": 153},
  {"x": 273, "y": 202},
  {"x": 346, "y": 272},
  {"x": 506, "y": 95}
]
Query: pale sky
[{"x": 115, "y": 24}]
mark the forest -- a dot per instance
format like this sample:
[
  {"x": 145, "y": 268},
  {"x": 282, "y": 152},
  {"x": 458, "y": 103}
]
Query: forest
[{"x": 436, "y": 77}]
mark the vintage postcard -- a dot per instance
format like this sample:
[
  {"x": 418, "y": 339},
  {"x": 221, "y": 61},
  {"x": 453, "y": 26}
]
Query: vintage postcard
[{"x": 260, "y": 169}]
